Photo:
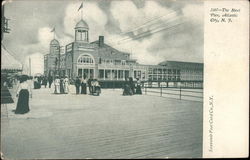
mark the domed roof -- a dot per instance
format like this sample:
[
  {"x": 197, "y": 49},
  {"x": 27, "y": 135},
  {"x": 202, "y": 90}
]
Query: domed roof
[
  {"x": 82, "y": 24},
  {"x": 54, "y": 42}
]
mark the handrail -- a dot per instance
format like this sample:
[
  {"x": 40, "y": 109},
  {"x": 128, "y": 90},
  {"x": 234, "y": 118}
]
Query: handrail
[
  {"x": 176, "y": 89},
  {"x": 180, "y": 90}
]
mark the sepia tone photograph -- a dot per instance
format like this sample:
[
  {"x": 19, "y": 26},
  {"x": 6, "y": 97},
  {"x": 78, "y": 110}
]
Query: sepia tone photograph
[{"x": 102, "y": 79}]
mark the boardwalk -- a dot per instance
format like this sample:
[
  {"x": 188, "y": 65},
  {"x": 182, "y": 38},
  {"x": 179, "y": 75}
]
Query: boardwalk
[{"x": 108, "y": 126}]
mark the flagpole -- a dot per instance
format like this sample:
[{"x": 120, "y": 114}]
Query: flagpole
[
  {"x": 29, "y": 66},
  {"x": 81, "y": 13}
]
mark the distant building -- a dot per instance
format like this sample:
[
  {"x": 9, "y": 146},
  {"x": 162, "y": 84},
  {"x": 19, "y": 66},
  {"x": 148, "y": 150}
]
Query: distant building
[{"x": 109, "y": 65}]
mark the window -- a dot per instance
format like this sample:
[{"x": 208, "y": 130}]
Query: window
[
  {"x": 159, "y": 71},
  {"x": 108, "y": 74},
  {"x": 169, "y": 71},
  {"x": 143, "y": 75},
  {"x": 150, "y": 71},
  {"x": 154, "y": 77},
  {"x": 101, "y": 73},
  {"x": 165, "y": 77},
  {"x": 111, "y": 61},
  {"x": 120, "y": 74},
  {"x": 164, "y": 71},
  {"x": 85, "y": 59},
  {"x": 126, "y": 73},
  {"x": 155, "y": 71},
  {"x": 123, "y": 62},
  {"x": 150, "y": 77},
  {"x": 174, "y": 70},
  {"x": 114, "y": 74},
  {"x": 159, "y": 77}
]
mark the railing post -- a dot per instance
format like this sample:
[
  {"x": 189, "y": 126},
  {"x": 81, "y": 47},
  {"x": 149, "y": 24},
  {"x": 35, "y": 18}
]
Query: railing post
[
  {"x": 161, "y": 90},
  {"x": 180, "y": 92}
]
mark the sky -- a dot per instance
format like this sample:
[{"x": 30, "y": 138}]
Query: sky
[{"x": 151, "y": 30}]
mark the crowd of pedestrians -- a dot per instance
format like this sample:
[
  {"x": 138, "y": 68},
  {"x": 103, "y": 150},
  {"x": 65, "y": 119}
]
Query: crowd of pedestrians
[
  {"x": 61, "y": 86},
  {"x": 82, "y": 84},
  {"x": 131, "y": 88}
]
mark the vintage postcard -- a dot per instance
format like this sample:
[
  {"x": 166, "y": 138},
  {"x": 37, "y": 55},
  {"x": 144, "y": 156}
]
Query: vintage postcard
[{"x": 115, "y": 79}]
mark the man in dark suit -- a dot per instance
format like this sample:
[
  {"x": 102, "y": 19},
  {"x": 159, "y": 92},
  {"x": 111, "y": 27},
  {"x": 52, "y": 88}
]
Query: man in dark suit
[
  {"x": 77, "y": 84},
  {"x": 50, "y": 81}
]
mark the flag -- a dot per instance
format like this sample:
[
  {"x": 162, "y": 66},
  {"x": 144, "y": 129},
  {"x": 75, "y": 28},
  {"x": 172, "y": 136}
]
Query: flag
[
  {"x": 53, "y": 30},
  {"x": 80, "y": 6}
]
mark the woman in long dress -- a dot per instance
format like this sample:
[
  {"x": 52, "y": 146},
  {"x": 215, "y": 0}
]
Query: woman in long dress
[
  {"x": 138, "y": 86},
  {"x": 66, "y": 85},
  {"x": 35, "y": 83},
  {"x": 83, "y": 86},
  {"x": 23, "y": 93},
  {"x": 57, "y": 85},
  {"x": 132, "y": 85},
  {"x": 61, "y": 86},
  {"x": 126, "y": 88}
]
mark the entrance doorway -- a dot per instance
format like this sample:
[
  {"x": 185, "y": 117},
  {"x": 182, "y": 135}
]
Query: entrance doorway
[{"x": 85, "y": 72}]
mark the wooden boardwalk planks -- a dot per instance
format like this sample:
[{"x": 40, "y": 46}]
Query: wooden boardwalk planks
[{"x": 109, "y": 126}]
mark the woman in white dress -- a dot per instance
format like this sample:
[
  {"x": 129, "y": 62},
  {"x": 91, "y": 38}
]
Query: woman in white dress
[
  {"x": 23, "y": 93},
  {"x": 66, "y": 84},
  {"x": 57, "y": 85}
]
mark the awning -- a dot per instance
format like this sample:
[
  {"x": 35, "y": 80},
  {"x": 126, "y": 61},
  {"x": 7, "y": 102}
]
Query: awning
[{"x": 8, "y": 62}]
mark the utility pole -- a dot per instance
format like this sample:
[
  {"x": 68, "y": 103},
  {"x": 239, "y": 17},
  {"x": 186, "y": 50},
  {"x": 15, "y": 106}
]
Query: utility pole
[{"x": 4, "y": 24}]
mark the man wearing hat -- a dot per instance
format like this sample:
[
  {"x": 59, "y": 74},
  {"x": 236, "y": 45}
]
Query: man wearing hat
[{"x": 77, "y": 84}]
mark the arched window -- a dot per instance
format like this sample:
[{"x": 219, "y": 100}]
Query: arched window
[{"x": 85, "y": 59}]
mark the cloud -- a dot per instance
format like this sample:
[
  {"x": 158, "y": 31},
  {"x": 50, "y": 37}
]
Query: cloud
[
  {"x": 31, "y": 24},
  {"x": 175, "y": 35},
  {"x": 45, "y": 36},
  {"x": 129, "y": 16},
  {"x": 190, "y": 12}
]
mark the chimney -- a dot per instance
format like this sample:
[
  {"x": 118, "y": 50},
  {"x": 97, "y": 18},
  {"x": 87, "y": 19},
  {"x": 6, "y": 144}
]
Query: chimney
[{"x": 101, "y": 41}]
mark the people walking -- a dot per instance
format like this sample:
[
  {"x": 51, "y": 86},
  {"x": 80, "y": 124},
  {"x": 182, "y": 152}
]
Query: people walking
[
  {"x": 96, "y": 88},
  {"x": 90, "y": 85},
  {"x": 23, "y": 93},
  {"x": 61, "y": 86},
  {"x": 57, "y": 85},
  {"x": 50, "y": 79},
  {"x": 84, "y": 85},
  {"x": 36, "y": 86},
  {"x": 45, "y": 81},
  {"x": 66, "y": 84},
  {"x": 138, "y": 86},
  {"x": 132, "y": 85},
  {"x": 77, "y": 84},
  {"x": 126, "y": 88},
  {"x": 39, "y": 82}
]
